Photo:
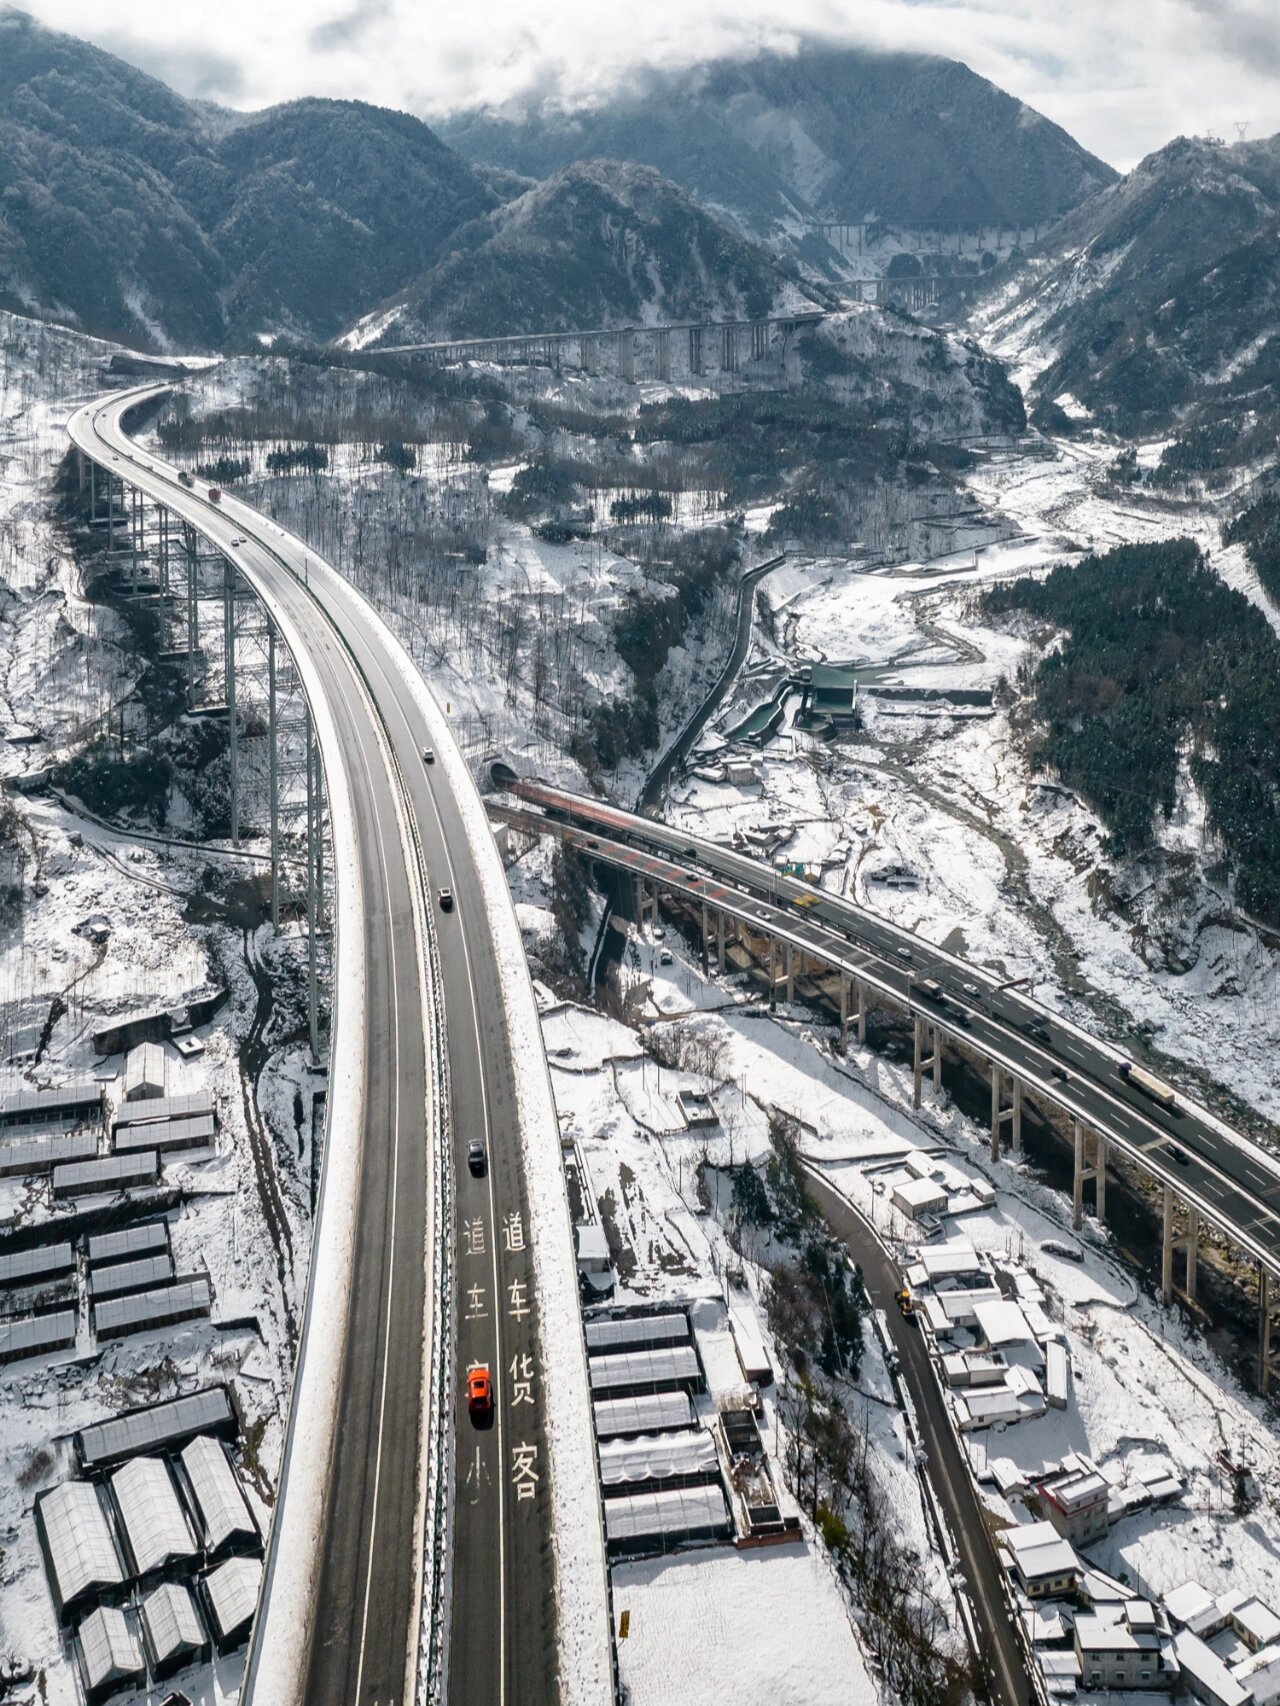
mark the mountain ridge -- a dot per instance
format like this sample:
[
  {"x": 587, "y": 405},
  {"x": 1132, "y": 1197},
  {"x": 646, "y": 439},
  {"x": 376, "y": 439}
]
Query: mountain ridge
[{"x": 831, "y": 132}]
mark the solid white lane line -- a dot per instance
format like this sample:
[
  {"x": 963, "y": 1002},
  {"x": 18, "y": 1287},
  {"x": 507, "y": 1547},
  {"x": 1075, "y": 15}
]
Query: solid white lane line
[
  {"x": 390, "y": 1253},
  {"x": 498, "y": 1371}
]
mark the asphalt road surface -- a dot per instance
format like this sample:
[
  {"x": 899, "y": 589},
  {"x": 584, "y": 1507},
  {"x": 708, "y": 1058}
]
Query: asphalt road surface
[
  {"x": 1234, "y": 1182},
  {"x": 362, "y": 1645},
  {"x": 1005, "y": 1672}
]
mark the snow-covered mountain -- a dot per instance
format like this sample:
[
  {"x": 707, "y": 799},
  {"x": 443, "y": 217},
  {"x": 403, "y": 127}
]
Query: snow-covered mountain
[
  {"x": 598, "y": 244},
  {"x": 842, "y": 133},
  {"x": 1155, "y": 302},
  {"x": 135, "y": 214}
]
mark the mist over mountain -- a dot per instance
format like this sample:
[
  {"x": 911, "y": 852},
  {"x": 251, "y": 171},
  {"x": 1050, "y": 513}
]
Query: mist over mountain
[
  {"x": 139, "y": 215},
  {"x": 1156, "y": 302},
  {"x": 838, "y": 133},
  {"x": 599, "y": 244}
]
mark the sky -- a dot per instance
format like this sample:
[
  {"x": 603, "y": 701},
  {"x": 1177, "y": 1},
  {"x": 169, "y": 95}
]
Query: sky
[{"x": 1123, "y": 76}]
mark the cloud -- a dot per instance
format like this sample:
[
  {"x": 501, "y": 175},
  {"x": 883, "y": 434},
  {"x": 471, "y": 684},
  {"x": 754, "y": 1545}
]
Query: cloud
[
  {"x": 348, "y": 28},
  {"x": 1124, "y": 76},
  {"x": 197, "y": 72}
]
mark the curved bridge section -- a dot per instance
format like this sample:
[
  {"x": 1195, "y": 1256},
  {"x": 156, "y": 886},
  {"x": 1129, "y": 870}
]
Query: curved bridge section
[
  {"x": 1207, "y": 1173},
  {"x": 405, "y": 1560}
]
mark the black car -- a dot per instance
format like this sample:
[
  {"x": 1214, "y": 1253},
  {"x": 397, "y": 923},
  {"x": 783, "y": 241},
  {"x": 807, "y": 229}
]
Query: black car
[
  {"x": 428, "y": 755},
  {"x": 446, "y": 900},
  {"x": 476, "y": 1156}
]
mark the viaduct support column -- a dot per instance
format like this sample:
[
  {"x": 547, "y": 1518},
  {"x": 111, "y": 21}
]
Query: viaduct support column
[
  {"x": 1100, "y": 1178},
  {"x": 1017, "y": 1116},
  {"x": 662, "y": 352},
  {"x": 720, "y": 941},
  {"x": 844, "y": 1011},
  {"x": 313, "y": 998},
  {"x": 193, "y": 610},
  {"x": 918, "y": 1064},
  {"x": 229, "y": 656},
  {"x": 1193, "y": 1250},
  {"x": 706, "y": 934},
  {"x": 773, "y": 971},
  {"x": 1268, "y": 1361},
  {"x": 788, "y": 971},
  {"x": 1166, "y": 1250},
  {"x": 862, "y": 1013},
  {"x": 995, "y": 1111},
  {"x": 273, "y": 774},
  {"x": 1077, "y": 1189}
]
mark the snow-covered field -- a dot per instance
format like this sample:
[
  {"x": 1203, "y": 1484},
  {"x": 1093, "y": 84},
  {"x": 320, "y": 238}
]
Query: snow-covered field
[
  {"x": 106, "y": 930},
  {"x": 1006, "y": 866}
]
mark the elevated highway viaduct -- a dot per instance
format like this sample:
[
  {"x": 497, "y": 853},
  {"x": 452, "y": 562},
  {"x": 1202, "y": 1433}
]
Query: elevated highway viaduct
[
  {"x": 412, "y": 1553},
  {"x": 1214, "y": 1174}
]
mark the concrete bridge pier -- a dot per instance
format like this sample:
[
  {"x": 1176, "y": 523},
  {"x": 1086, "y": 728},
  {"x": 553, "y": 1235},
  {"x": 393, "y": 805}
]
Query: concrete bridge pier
[
  {"x": 759, "y": 340},
  {"x": 846, "y": 1018},
  {"x": 788, "y": 972},
  {"x": 706, "y": 942},
  {"x": 999, "y": 1113},
  {"x": 720, "y": 941},
  {"x": 1268, "y": 1359},
  {"x": 729, "y": 349},
  {"x": 926, "y": 1062},
  {"x": 662, "y": 352},
  {"x": 695, "y": 350},
  {"x": 1189, "y": 1241},
  {"x": 626, "y": 355},
  {"x": 588, "y": 353},
  {"x": 1097, "y": 1172}
]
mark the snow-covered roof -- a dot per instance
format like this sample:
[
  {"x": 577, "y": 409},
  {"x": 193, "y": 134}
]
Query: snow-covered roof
[
  {"x": 145, "y": 1069},
  {"x": 156, "y": 1530},
  {"x": 158, "y": 1425},
  {"x": 130, "y": 1244},
  {"x": 221, "y": 1507},
  {"x": 1112, "y": 1632},
  {"x": 914, "y": 1194},
  {"x": 79, "y": 1546},
  {"x": 154, "y": 1308},
  {"x": 139, "y": 1275},
  {"x": 672, "y": 1364},
  {"x": 609, "y": 1332},
  {"x": 1040, "y": 1551},
  {"x": 657, "y": 1457},
  {"x": 670, "y": 1514},
  {"x": 33, "y": 1334},
  {"x": 231, "y": 1592},
  {"x": 644, "y": 1414},
  {"x": 171, "y": 1624},
  {"x": 109, "y": 1649},
  {"x": 1212, "y": 1681},
  {"x": 1003, "y": 1324},
  {"x": 109, "y": 1173},
  {"x": 43, "y": 1154},
  {"x": 1257, "y": 1623},
  {"x": 22, "y": 1267},
  {"x": 1190, "y": 1604},
  {"x": 948, "y": 1260}
]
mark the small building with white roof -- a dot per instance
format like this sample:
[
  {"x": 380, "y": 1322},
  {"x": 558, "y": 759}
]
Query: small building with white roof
[
  {"x": 1043, "y": 1562},
  {"x": 1126, "y": 1646}
]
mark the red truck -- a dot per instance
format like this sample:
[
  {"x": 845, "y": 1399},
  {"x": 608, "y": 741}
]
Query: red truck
[{"x": 215, "y": 494}]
